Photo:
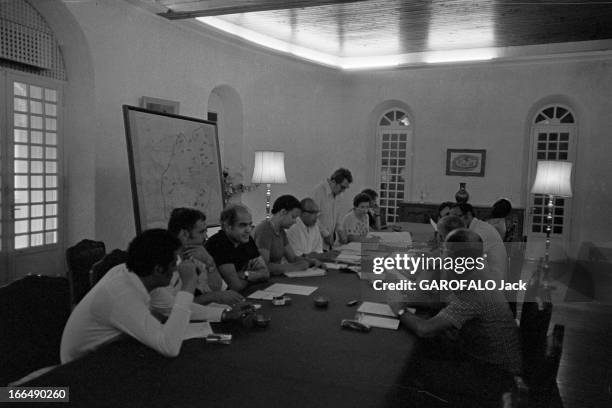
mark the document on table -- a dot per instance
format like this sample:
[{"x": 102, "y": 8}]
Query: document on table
[
  {"x": 265, "y": 295},
  {"x": 382, "y": 322},
  {"x": 349, "y": 258},
  {"x": 381, "y": 309},
  {"x": 291, "y": 289},
  {"x": 398, "y": 239},
  {"x": 306, "y": 273},
  {"x": 351, "y": 247},
  {"x": 197, "y": 330},
  {"x": 332, "y": 265}
]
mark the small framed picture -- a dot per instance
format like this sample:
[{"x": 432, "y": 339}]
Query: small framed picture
[
  {"x": 465, "y": 162},
  {"x": 159, "y": 105}
]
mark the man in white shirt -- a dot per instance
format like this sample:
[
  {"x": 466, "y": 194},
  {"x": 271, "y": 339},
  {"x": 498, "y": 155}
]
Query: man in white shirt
[
  {"x": 494, "y": 248},
  {"x": 119, "y": 303},
  {"x": 305, "y": 236},
  {"x": 324, "y": 196}
]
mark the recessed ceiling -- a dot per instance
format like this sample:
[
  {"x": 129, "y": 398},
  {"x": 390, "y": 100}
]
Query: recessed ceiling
[{"x": 377, "y": 33}]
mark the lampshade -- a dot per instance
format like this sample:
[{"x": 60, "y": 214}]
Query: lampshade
[
  {"x": 269, "y": 168},
  {"x": 553, "y": 178}
]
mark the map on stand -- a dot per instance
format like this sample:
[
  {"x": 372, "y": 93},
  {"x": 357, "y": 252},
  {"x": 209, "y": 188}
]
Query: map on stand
[{"x": 174, "y": 162}]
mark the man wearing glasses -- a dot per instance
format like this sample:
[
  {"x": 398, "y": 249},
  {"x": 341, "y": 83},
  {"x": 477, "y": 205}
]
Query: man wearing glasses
[
  {"x": 305, "y": 236},
  {"x": 324, "y": 196}
]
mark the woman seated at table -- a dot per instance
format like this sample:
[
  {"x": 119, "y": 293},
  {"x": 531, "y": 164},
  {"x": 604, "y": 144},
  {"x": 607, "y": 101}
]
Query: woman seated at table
[
  {"x": 355, "y": 226},
  {"x": 374, "y": 211}
]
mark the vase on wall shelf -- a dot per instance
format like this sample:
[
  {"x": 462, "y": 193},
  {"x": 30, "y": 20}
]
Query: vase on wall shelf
[{"x": 462, "y": 196}]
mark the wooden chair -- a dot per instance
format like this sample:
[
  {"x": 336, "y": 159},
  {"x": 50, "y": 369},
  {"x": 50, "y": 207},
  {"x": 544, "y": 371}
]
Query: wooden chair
[
  {"x": 99, "y": 269},
  {"x": 33, "y": 313},
  {"x": 80, "y": 259}
]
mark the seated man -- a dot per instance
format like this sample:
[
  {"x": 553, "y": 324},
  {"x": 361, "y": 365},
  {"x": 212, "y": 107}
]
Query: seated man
[
  {"x": 119, "y": 303},
  {"x": 305, "y": 237},
  {"x": 234, "y": 250},
  {"x": 494, "y": 247},
  {"x": 272, "y": 242},
  {"x": 485, "y": 354},
  {"x": 189, "y": 226}
]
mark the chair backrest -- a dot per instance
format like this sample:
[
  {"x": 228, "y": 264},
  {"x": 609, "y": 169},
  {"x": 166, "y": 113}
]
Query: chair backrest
[
  {"x": 99, "y": 269},
  {"x": 80, "y": 259},
  {"x": 33, "y": 313}
]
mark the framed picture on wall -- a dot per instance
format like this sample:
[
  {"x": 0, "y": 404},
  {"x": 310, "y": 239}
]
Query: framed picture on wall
[{"x": 465, "y": 162}]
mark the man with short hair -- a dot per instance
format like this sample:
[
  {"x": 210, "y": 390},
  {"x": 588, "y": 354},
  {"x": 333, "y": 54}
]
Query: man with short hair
[
  {"x": 234, "y": 251},
  {"x": 484, "y": 354},
  {"x": 447, "y": 224},
  {"x": 189, "y": 226},
  {"x": 119, "y": 303},
  {"x": 272, "y": 242},
  {"x": 305, "y": 236},
  {"x": 494, "y": 247},
  {"x": 324, "y": 196}
]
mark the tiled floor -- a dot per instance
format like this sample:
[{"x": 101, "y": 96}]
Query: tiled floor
[{"x": 585, "y": 372}]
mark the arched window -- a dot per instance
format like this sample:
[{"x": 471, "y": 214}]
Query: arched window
[
  {"x": 394, "y": 141},
  {"x": 553, "y": 137}
]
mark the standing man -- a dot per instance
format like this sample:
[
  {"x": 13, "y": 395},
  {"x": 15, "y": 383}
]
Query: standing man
[
  {"x": 324, "y": 196},
  {"x": 234, "y": 250}
]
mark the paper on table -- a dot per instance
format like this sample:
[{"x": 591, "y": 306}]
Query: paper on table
[
  {"x": 349, "y": 258},
  {"x": 381, "y": 309},
  {"x": 197, "y": 330},
  {"x": 402, "y": 239},
  {"x": 351, "y": 247},
  {"x": 307, "y": 273},
  {"x": 382, "y": 322},
  {"x": 332, "y": 265},
  {"x": 265, "y": 295},
  {"x": 292, "y": 289}
]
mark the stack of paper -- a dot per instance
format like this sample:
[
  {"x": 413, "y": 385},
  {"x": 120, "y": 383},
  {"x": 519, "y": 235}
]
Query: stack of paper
[
  {"x": 349, "y": 258},
  {"x": 395, "y": 239},
  {"x": 306, "y": 273},
  {"x": 333, "y": 265},
  {"x": 291, "y": 289},
  {"x": 264, "y": 295},
  {"x": 379, "y": 315}
]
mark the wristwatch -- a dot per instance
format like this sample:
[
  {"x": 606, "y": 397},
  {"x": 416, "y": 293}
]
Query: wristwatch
[{"x": 401, "y": 312}]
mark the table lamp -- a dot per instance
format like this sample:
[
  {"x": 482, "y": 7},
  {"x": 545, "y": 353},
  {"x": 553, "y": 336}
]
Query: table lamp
[
  {"x": 553, "y": 178},
  {"x": 269, "y": 169}
]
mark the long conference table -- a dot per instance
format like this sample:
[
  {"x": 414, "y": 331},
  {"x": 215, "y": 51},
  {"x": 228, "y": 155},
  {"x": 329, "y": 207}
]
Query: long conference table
[{"x": 302, "y": 359}]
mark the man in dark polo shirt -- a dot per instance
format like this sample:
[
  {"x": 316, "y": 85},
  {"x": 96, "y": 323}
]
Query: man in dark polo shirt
[{"x": 234, "y": 250}]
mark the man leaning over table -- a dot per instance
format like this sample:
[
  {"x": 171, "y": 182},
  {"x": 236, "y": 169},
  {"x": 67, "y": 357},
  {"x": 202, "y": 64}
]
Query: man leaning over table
[
  {"x": 234, "y": 251},
  {"x": 325, "y": 196},
  {"x": 305, "y": 236},
  {"x": 119, "y": 303},
  {"x": 272, "y": 242},
  {"x": 484, "y": 354},
  {"x": 189, "y": 226}
]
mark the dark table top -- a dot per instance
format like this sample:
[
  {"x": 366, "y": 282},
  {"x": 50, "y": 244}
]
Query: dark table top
[{"x": 303, "y": 358}]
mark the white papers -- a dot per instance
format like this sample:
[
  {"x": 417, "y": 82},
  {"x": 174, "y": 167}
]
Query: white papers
[
  {"x": 307, "y": 273},
  {"x": 397, "y": 239},
  {"x": 197, "y": 330},
  {"x": 292, "y": 289},
  {"x": 351, "y": 247},
  {"x": 382, "y": 322},
  {"x": 349, "y": 258},
  {"x": 265, "y": 295},
  {"x": 381, "y": 309},
  {"x": 332, "y": 265}
]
